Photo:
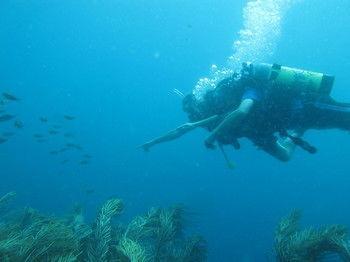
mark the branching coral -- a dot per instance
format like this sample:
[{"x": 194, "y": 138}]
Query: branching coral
[
  {"x": 42, "y": 240},
  {"x": 294, "y": 244},
  {"x": 132, "y": 250},
  {"x": 101, "y": 241},
  {"x": 161, "y": 234},
  {"x": 4, "y": 200},
  {"x": 156, "y": 236},
  {"x": 193, "y": 249},
  {"x": 7, "y": 197}
]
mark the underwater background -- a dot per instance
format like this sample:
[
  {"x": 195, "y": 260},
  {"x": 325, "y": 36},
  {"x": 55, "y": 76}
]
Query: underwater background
[{"x": 113, "y": 65}]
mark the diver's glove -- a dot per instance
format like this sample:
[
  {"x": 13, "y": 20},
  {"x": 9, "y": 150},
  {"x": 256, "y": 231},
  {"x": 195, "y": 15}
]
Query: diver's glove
[
  {"x": 145, "y": 146},
  {"x": 210, "y": 142}
]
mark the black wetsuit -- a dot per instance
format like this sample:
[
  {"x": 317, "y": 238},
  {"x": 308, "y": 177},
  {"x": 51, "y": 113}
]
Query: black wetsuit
[{"x": 272, "y": 115}]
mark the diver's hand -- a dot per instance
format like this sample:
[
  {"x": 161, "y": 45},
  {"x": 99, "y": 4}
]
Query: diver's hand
[
  {"x": 210, "y": 142},
  {"x": 145, "y": 146}
]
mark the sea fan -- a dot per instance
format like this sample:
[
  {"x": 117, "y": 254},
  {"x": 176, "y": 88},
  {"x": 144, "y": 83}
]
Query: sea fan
[
  {"x": 293, "y": 244},
  {"x": 4, "y": 200},
  {"x": 193, "y": 249},
  {"x": 101, "y": 239},
  {"x": 132, "y": 250}
]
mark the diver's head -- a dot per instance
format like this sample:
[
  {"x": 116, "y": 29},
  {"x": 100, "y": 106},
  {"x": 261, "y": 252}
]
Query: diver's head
[{"x": 190, "y": 106}]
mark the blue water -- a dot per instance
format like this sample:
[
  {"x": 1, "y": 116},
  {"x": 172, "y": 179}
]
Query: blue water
[{"x": 113, "y": 64}]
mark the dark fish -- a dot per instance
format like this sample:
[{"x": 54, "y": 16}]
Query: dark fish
[
  {"x": 6, "y": 117},
  {"x": 2, "y": 140},
  {"x": 89, "y": 191},
  {"x": 54, "y": 152},
  {"x": 87, "y": 156},
  {"x": 38, "y": 136},
  {"x": 76, "y": 146},
  {"x": 68, "y": 135},
  {"x": 10, "y": 97},
  {"x": 41, "y": 140},
  {"x": 8, "y": 134},
  {"x": 43, "y": 119},
  {"x": 84, "y": 162},
  {"x": 2, "y": 111},
  {"x": 64, "y": 161},
  {"x": 56, "y": 126},
  {"x": 63, "y": 150},
  {"x": 68, "y": 117},
  {"x": 18, "y": 124},
  {"x": 53, "y": 132}
]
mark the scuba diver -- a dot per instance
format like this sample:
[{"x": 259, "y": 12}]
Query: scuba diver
[{"x": 271, "y": 105}]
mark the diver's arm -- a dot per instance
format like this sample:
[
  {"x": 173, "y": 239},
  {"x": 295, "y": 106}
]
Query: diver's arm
[
  {"x": 232, "y": 120},
  {"x": 178, "y": 132},
  {"x": 205, "y": 122}
]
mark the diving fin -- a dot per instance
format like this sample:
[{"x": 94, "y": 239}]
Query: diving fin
[{"x": 303, "y": 144}]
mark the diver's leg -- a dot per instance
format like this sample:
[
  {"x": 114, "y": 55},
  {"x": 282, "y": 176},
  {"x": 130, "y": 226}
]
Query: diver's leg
[
  {"x": 279, "y": 149},
  {"x": 327, "y": 116},
  {"x": 330, "y": 100}
]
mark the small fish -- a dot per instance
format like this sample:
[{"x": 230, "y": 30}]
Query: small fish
[
  {"x": 8, "y": 134},
  {"x": 10, "y": 97},
  {"x": 84, "y": 162},
  {"x": 65, "y": 161},
  {"x": 68, "y": 135},
  {"x": 76, "y": 146},
  {"x": 41, "y": 140},
  {"x": 2, "y": 111},
  {"x": 54, "y": 152},
  {"x": 63, "y": 150},
  {"x": 53, "y": 132},
  {"x": 43, "y": 119},
  {"x": 56, "y": 126},
  {"x": 18, "y": 124},
  {"x": 6, "y": 117},
  {"x": 87, "y": 156},
  {"x": 3, "y": 140},
  {"x": 38, "y": 136},
  {"x": 68, "y": 117},
  {"x": 89, "y": 191}
]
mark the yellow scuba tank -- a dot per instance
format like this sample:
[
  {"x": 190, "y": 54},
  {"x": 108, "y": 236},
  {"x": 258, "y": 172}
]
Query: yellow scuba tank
[{"x": 287, "y": 79}]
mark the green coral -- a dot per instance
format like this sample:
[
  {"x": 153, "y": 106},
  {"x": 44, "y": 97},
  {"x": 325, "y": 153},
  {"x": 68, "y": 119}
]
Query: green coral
[
  {"x": 157, "y": 236},
  {"x": 293, "y": 244},
  {"x": 5, "y": 200},
  {"x": 101, "y": 240},
  {"x": 132, "y": 251},
  {"x": 40, "y": 239}
]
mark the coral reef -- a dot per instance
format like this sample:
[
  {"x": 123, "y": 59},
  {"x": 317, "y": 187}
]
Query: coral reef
[
  {"x": 27, "y": 235},
  {"x": 100, "y": 242},
  {"x": 159, "y": 236},
  {"x": 295, "y": 245}
]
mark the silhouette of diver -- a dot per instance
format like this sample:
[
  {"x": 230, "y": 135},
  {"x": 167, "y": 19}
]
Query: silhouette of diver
[{"x": 271, "y": 105}]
